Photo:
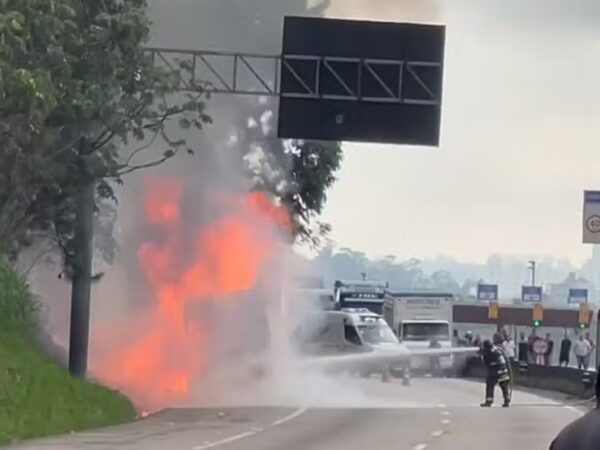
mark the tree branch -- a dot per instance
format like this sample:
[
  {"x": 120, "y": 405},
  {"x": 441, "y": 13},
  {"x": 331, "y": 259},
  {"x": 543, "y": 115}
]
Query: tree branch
[
  {"x": 142, "y": 148},
  {"x": 36, "y": 260},
  {"x": 158, "y": 162},
  {"x": 109, "y": 133}
]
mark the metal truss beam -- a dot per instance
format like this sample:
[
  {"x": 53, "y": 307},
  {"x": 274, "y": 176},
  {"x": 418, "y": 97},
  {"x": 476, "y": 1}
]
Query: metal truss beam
[{"x": 304, "y": 76}]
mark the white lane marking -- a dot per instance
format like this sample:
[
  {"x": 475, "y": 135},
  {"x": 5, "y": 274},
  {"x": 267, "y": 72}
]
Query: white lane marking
[
  {"x": 442, "y": 405},
  {"x": 437, "y": 433},
  {"x": 445, "y": 413},
  {"x": 420, "y": 447},
  {"x": 228, "y": 440},
  {"x": 292, "y": 416},
  {"x": 253, "y": 431},
  {"x": 446, "y": 421},
  {"x": 575, "y": 410}
]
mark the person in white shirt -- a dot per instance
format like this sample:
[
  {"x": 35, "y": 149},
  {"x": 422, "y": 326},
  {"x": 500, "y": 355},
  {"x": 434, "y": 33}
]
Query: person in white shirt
[
  {"x": 581, "y": 349},
  {"x": 509, "y": 349}
]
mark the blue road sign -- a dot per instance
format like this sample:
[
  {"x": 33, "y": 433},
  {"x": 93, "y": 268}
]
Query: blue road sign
[
  {"x": 578, "y": 296},
  {"x": 487, "y": 292},
  {"x": 531, "y": 294}
]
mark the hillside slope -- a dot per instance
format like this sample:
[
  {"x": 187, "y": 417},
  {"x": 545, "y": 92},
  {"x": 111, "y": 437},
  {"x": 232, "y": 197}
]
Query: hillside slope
[{"x": 37, "y": 396}]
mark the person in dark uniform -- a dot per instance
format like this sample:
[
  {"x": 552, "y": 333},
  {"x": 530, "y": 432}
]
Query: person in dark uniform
[
  {"x": 565, "y": 350},
  {"x": 497, "y": 373},
  {"x": 584, "y": 433},
  {"x": 523, "y": 349}
]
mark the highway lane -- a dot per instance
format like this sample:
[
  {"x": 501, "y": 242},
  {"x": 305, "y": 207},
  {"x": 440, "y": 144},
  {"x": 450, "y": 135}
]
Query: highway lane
[{"x": 366, "y": 414}]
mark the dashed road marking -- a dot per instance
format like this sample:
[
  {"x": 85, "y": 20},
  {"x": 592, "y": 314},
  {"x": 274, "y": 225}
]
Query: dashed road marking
[
  {"x": 253, "y": 431},
  {"x": 228, "y": 440},
  {"x": 445, "y": 413},
  {"x": 420, "y": 447},
  {"x": 292, "y": 416},
  {"x": 446, "y": 421},
  {"x": 437, "y": 433}
]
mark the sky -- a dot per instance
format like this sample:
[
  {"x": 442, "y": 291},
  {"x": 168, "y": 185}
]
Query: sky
[{"x": 521, "y": 115}]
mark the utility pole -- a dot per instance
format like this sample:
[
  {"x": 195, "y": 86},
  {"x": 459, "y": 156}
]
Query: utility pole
[
  {"x": 532, "y": 268},
  {"x": 82, "y": 272}
]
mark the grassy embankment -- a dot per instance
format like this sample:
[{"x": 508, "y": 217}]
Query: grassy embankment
[{"x": 37, "y": 396}]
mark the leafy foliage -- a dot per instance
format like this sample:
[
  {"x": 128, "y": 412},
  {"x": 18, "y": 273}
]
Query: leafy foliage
[
  {"x": 17, "y": 305},
  {"x": 75, "y": 86},
  {"x": 38, "y": 396},
  {"x": 298, "y": 173}
]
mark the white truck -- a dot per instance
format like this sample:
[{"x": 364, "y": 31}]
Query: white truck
[{"x": 421, "y": 319}]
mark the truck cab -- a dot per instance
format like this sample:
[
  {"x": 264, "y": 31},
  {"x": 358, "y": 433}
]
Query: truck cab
[{"x": 360, "y": 294}]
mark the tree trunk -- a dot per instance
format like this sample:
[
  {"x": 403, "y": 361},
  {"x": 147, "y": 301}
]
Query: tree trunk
[{"x": 82, "y": 281}]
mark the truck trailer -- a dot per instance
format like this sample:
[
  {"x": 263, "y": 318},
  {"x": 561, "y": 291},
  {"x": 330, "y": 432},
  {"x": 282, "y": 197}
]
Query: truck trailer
[{"x": 421, "y": 319}]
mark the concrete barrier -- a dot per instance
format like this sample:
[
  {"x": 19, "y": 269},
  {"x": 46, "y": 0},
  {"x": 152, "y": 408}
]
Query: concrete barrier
[{"x": 567, "y": 380}]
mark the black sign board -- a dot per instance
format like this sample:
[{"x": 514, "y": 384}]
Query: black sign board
[{"x": 350, "y": 80}]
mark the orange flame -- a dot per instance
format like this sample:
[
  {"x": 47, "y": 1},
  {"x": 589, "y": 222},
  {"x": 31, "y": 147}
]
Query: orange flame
[{"x": 158, "y": 356}]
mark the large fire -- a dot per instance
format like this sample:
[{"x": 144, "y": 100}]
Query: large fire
[{"x": 160, "y": 356}]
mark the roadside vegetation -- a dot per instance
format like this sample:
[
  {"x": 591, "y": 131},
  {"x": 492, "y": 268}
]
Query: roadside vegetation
[{"x": 37, "y": 396}]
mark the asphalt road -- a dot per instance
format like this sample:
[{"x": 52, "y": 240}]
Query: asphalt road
[{"x": 429, "y": 415}]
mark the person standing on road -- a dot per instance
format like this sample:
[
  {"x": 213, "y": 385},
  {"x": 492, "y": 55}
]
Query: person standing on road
[
  {"x": 477, "y": 341},
  {"x": 588, "y": 338},
  {"x": 565, "y": 350},
  {"x": 455, "y": 339},
  {"x": 581, "y": 349},
  {"x": 584, "y": 433},
  {"x": 468, "y": 339},
  {"x": 530, "y": 340},
  {"x": 523, "y": 349},
  {"x": 548, "y": 354},
  {"x": 509, "y": 349},
  {"x": 435, "y": 365},
  {"x": 497, "y": 373}
]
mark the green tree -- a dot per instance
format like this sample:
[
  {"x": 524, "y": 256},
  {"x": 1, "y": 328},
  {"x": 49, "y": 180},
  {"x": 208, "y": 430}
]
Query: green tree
[
  {"x": 76, "y": 86},
  {"x": 298, "y": 173}
]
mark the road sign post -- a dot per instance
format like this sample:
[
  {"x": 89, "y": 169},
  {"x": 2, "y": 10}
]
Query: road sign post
[
  {"x": 591, "y": 217},
  {"x": 597, "y": 319}
]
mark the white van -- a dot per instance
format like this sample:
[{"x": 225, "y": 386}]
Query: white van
[{"x": 348, "y": 331}]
